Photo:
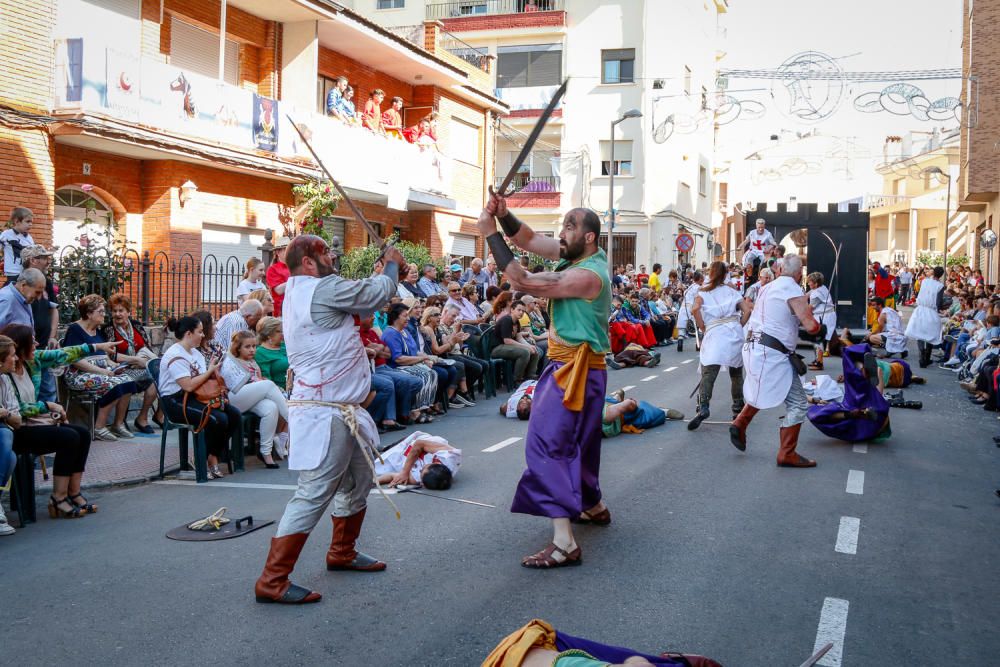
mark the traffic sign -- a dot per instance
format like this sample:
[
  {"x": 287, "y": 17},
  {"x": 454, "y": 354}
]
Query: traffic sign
[{"x": 684, "y": 242}]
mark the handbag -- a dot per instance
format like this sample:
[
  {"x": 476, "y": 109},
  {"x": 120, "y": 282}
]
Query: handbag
[{"x": 211, "y": 393}]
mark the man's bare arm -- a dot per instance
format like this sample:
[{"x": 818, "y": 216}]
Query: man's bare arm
[
  {"x": 696, "y": 313},
  {"x": 522, "y": 235},
  {"x": 565, "y": 284},
  {"x": 800, "y": 306}
]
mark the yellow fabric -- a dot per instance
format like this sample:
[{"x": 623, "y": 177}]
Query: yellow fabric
[
  {"x": 628, "y": 428},
  {"x": 895, "y": 375},
  {"x": 572, "y": 377},
  {"x": 525, "y": 321},
  {"x": 510, "y": 652},
  {"x": 872, "y": 318},
  {"x": 654, "y": 281}
]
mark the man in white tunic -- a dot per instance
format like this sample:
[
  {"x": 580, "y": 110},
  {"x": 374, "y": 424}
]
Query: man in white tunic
[
  {"x": 925, "y": 322},
  {"x": 758, "y": 243},
  {"x": 772, "y": 332},
  {"x": 719, "y": 313},
  {"x": 890, "y": 335},
  {"x": 684, "y": 312},
  {"x": 331, "y": 436}
]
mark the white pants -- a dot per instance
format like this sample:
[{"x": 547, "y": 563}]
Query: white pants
[{"x": 264, "y": 399}]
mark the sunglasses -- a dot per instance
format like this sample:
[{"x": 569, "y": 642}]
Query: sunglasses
[{"x": 454, "y": 290}]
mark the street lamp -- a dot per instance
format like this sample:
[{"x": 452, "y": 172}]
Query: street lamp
[
  {"x": 631, "y": 113},
  {"x": 941, "y": 175}
]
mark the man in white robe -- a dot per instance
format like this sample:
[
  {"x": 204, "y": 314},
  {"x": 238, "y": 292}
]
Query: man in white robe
[
  {"x": 331, "y": 436},
  {"x": 925, "y": 322},
  {"x": 770, "y": 379}
]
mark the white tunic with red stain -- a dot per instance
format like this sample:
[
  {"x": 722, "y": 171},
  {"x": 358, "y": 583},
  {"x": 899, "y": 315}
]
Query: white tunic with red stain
[
  {"x": 768, "y": 375},
  {"x": 330, "y": 365}
]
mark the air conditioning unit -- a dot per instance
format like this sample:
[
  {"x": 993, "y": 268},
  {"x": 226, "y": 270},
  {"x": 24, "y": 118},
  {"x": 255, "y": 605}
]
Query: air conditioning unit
[{"x": 658, "y": 84}]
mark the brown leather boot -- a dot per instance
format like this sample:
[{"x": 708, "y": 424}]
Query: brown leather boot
[
  {"x": 273, "y": 585},
  {"x": 738, "y": 429},
  {"x": 342, "y": 554},
  {"x": 787, "y": 456}
]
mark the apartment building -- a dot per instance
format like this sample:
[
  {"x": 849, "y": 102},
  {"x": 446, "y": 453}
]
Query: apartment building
[
  {"x": 652, "y": 55},
  {"x": 979, "y": 178},
  {"x": 145, "y": 111}
]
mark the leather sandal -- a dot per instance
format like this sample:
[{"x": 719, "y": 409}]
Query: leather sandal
[
  {"x": 543, "y": 560},
  {"x": 361, "y": 563},
  {"x": 294, "y": 595},
  {"x": 798, "y": 462},
  {"x": 85, "y": 507},
  {"x": 602, "y": 518}
]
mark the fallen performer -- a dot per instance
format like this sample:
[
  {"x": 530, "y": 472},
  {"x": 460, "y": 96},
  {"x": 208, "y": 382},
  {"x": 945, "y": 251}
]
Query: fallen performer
[
  {"x": 620, "y": 414},
  {"x": 633, "y": 355},
  {"x": 538, "y": 644},
  {"x": 421, "y": 459},
  {"x": 864, "y": 412}
]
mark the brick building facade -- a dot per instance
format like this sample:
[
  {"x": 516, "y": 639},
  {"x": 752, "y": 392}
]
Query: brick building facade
[{"x": 103, "y": 96}]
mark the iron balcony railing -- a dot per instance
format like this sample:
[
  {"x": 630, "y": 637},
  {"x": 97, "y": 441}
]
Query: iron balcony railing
[
  {"x": 451, "y": 10},
  {"x": 527, "y": 183},
  {"x": 882, "y": 201}
]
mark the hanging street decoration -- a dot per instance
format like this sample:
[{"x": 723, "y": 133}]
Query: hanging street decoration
[{"x": 904, "y": 99}]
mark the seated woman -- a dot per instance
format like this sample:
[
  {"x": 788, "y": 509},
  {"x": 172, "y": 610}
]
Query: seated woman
[
  {"x": 100, "y": 374},
  {"x": 475, "y": 368},
  {"x": 132, "y": 347},
  {"x": 421, "y": 459},
  {"x": 43, "y": 428},
  {"x": 270, "y": 354},
  {"x": 447, "y": 344},
  {"x": 407, "y": 355},
  {"x": 260, "y": 396},
  {"x": 449, "y": 374},
  {"x": 864, "y": 412},
  {"x": 182, "y": 370}
]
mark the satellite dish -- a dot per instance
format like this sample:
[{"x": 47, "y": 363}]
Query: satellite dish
[{"x": 988, "y": 239}]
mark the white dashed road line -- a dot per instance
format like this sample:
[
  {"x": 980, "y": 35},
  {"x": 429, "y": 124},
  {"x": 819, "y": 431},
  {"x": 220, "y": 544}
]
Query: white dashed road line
[
  {"x": 647, "y": 379},
  {"x": 628, "y": 387},
  {"x": 500, "y": 445},
  {"x": 847, "y": 536},
  {"x": 672, "y": 368},
  {"x": 861, "y": 449},
  {"x": 832, "y": 628},
  {"x": 856, "y": 482},
  {"x": 687, "y": 361}
]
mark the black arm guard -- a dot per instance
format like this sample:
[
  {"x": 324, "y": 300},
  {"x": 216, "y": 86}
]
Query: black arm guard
[
  {"x": 509, "y": 224},
  {"x": 501, "y": 251}
]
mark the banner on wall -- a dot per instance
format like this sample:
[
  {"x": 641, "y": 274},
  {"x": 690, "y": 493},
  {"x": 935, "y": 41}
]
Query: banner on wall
[{"x": 265, "y": 123}]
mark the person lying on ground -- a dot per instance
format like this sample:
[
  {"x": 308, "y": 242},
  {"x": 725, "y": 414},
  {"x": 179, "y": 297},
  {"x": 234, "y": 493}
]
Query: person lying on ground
[
  {"x": 519, "y": 402},
  {"x": 421, "y": 459},
  {"x": 633, "y": 355},
  {"x": 863, "y": 414}
]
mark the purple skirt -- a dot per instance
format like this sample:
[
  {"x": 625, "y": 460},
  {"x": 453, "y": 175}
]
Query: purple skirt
[
  {"x": 858, "y": 395},
  {"x": 562, "y": 450}
]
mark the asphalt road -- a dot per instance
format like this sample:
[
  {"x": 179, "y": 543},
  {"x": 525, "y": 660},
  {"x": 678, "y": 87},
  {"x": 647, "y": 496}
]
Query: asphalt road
[{"x": 711, "y": 551}]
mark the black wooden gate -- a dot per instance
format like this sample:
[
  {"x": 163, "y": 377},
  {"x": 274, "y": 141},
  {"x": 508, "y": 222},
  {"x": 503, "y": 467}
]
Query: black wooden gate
[{"x": 829, "y": 232}]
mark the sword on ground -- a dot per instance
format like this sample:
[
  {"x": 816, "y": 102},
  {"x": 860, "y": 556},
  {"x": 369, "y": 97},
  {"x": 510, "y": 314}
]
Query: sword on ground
[
  {"x": 383, "y": 244},
  {"x": 434, "y": 495}
]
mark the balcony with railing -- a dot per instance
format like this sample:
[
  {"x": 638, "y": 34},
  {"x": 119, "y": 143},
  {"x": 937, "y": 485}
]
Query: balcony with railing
[
  {"x": 104, "y": 94},
  {"x": 479, "y": 14},
  {"x": 527, "y": 191},
  {"x": 873, "y": 201}
]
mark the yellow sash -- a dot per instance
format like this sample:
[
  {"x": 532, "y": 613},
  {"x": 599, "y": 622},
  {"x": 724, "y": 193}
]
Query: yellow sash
[
  {"x": 572, "y": 377},
  {"x": 511, "y": 651}
]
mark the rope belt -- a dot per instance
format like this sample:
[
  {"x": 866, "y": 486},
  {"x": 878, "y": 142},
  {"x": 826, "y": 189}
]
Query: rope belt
[
  {"x": 348, "y": 413},
  {"x": 719, "y": 322}
]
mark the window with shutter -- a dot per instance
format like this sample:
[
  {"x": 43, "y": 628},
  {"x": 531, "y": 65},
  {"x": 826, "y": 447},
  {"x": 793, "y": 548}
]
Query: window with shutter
[
  {"x": 618, "y": 66},
  {"x": 463, "y": 141},
  {"x": 623, "y": 158},
  {"x": 463, "y": 245},
  {"x": 196, "y": 50},
  {"x": 533, "y": 65}
]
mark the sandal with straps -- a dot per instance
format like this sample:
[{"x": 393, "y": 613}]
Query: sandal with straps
[
  {"x": 85, "y": 507},
  {"x": 543, "y": 560},
  {"x": 602, "y": 518},
  {"x": 55, "y": 512}
]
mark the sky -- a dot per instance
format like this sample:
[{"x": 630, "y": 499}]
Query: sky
[{"x": 862, "y": 35}]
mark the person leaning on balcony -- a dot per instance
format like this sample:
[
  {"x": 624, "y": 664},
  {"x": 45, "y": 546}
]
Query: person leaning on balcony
[
  {"x": 132, "y": 346},
  {"x": 372, "y": 116},
  {"x": 43, "y": 428},
  {"x": 16, "y": 298},
  {"x": 253, "y": 279},
  {"x": 100, "y": 374},
  {"x": 348, "y": 112},
  {"x": 270, "y": 354},
  {"x": 392, "y": 119},
  {"x": 15, "y": 239},
  {"x": 334, "y": 97},
  {"x": 278, "y": 274}
]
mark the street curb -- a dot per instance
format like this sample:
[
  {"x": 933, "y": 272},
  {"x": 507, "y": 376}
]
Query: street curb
[{"x": 105, "y": 484}]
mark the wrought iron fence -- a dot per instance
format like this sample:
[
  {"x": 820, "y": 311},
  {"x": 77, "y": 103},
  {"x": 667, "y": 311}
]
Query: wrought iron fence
[
  {"x": 476, "y": 57},
  {"x": 450, "y": 10},
  {"x": 158, "y": 285},
  {"x": 527, "y": 183}
]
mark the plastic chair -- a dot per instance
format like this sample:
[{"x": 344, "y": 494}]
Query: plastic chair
[
  {"x": 200, "y": 447},
  {"x": 22, "y": 487},
  {"x": 505, "y": 366}
]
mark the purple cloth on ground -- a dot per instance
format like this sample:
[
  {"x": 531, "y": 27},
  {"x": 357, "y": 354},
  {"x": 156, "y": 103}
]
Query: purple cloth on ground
[
  {"x": 859, "y": 394},
  {"x": 562, "y": 450},
  {"x": 614, "y": 654}
]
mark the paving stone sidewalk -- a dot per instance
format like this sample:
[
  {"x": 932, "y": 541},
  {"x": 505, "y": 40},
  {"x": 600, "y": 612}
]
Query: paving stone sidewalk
[{"x": 131, "y": 461}]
